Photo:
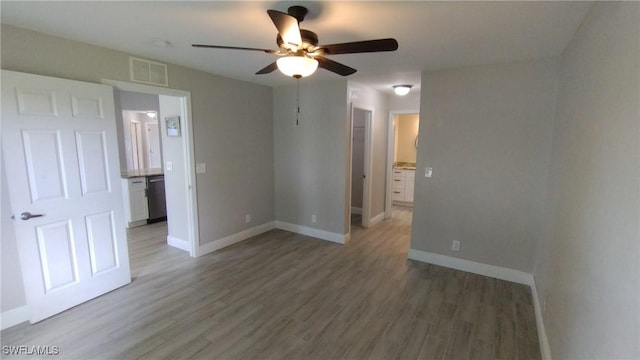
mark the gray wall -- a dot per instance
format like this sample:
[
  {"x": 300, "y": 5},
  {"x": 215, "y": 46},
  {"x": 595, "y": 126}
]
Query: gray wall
[
  {"x": 311, "y": 158},
  {"x": 486, "y": 131},
  {"x": 232, "y": 125},
  {"x": 172, "y": 150},
  {"x": 587, "y": 264},
  {"x": 410, "y": 102}
]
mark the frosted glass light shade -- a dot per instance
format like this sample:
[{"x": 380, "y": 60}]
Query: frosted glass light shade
[
  {"x": 297, "y": 66},
  {"x": 402, "y": 90}
]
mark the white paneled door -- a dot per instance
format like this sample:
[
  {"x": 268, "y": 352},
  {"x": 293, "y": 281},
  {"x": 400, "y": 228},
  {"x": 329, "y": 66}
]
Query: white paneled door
[{"x": 60, "y": 150}]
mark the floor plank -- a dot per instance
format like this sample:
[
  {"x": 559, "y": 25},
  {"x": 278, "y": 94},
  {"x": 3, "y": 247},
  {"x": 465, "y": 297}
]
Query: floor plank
[{"x": 281, "y": 295}]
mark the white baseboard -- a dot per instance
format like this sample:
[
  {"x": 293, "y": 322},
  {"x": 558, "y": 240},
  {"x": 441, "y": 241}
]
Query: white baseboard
[
  {"x": 376, "y": 219},
  {"x": 545, "y": 350},
  {"x": 14, "y": 317},
  {"x": 137, "y": 223},
  {"x": 317, "y": 233},
  {"x": 179, "y": 243},
  {"x": 497, "y": 272},
  {"x": 472, "y": 267},
  {"x": 235, "y": 238},
  {"x": 356, "y": 210}
]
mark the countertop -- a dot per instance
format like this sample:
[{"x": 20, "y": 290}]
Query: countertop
[
  {"x": 404, "y": 165},
  {"x": 139, "y": 173}
]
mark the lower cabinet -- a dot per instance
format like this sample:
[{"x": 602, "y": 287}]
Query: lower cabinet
[
  {"x": 403, "y": 183},
  {"x": 136, "y": 208}
]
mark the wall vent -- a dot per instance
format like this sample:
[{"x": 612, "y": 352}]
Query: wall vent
[{"x": 148, "y": 72}]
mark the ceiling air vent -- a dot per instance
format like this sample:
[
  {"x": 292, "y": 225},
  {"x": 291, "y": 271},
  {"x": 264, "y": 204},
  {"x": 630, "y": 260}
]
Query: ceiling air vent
[{"x": 148, "y": 72}]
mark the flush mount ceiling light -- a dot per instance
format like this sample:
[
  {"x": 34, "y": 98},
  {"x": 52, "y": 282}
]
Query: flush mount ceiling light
[
  {"x": 151, "y": 114},
  {"x": 297, "y": 66},
  {"x": 402, "y": 90}
]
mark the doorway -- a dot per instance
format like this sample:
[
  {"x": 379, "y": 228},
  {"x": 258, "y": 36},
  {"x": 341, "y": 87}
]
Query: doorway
[
  {"x": 402, "y": 145},
  {"x": 360, "y": 197},
  {"x": 178, "y": 162}
]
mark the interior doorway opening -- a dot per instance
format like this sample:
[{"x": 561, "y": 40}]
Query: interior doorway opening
[
  {"x": 360, "y": 189},
  {"x": 176, "y": 160},
  {"x": 402, "y": 146}
]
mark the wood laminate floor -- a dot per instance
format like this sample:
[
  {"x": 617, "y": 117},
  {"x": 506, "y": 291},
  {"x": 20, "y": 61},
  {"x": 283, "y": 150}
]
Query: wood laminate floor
[{"x": 286, "y": 296}]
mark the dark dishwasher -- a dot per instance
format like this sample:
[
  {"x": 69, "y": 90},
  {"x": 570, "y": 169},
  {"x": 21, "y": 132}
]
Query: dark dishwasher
[{"x": 156, "y": 199}]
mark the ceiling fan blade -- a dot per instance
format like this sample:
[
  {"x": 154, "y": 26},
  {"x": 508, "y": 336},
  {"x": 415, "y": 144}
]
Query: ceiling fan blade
[
  {"x": 335, "y": 67},
  {"x": 288, "y": 28},
  {"x": 268, "y": 69},
  {"x": 234, "y": 48},
  {"x": 359, "y": 47}
]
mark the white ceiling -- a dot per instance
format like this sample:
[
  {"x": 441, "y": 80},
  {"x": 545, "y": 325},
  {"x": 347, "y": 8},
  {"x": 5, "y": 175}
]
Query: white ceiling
[{"x": 432, "y": 35}]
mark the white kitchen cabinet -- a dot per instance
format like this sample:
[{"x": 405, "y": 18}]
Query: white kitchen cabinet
[
  {"x": 403, "y": 183},
  {"x": 136, "y": 208},
  {"x": 409, "y": 182}
]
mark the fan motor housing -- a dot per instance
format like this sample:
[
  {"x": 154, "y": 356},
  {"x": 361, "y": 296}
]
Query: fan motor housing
[{"x": 309, "y": 40}]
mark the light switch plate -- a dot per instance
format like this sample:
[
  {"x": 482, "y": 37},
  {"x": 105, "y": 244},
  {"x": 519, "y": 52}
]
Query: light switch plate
[
  {"x": 168, "y": 166},
  {"x": 201, "y": 168},
  {"x": 428, "y": 172}
]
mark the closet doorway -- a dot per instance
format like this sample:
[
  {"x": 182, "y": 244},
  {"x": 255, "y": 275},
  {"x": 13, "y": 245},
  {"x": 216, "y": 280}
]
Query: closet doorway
[{"x": 361, "y": 117}]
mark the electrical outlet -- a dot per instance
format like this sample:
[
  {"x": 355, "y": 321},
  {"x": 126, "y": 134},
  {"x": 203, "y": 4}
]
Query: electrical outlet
[
  {"x": 313, "y": 218},
  {"x": 247, "y": 218},
  {"x": 455, "y": 245}
]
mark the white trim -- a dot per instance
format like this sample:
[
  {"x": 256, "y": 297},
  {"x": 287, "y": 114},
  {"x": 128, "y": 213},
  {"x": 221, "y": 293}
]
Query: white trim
[
  {"x": 188, "y": 151},
  {"x": 178, "y": 243},
  {"x": 376, "y": 219},
  {"x": 316, "y": 233},
  {"x": 545, "y": 349},
  {"x": 134, "y": 223},
  {"x": 235, "y": 238},
  {"x": 356, "y": 210},
  {"x": 15, "y": 316},
  {"x": 497, "y": 272}
]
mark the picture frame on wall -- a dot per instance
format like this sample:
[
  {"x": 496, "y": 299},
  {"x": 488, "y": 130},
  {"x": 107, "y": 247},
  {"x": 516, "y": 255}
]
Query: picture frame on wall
[{"x": 173, "y": 125}]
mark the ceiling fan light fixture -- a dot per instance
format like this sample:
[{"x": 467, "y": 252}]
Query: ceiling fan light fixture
[
  {"x": 402, "y": 90},
  {"x": 297, "y": 66}
]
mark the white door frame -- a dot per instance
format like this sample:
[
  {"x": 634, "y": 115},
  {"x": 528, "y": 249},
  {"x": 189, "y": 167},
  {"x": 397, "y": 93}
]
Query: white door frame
[
  {"x": 188, "y": 152},
  {"x": 391, "y": 140},
  {"x": 368, "y": 150},
  {"x": 137, "y": 153},
  {"x": 148, "y": 136}
]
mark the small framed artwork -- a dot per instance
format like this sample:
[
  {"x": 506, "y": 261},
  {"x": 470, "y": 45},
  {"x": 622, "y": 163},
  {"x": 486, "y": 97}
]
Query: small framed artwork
[{"x": 173, "y": 125}]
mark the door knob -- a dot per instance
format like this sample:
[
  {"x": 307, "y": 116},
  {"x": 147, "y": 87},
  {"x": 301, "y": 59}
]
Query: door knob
[{"x": 28, "y": 215}]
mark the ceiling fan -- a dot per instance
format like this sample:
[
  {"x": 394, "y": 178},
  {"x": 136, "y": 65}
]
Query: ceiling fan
[{"x": 300, "y": 54}]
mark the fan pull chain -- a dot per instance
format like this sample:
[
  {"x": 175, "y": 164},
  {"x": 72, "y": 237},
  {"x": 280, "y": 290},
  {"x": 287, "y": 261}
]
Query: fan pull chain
[{"x": 297, "y": 101}]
